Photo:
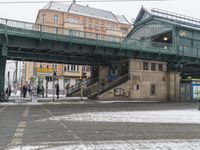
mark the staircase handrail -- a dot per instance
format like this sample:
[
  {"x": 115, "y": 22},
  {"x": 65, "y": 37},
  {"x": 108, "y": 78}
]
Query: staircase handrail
[
  {"x": 78, "y": 86},
  {"x": 108, "y": 85}
]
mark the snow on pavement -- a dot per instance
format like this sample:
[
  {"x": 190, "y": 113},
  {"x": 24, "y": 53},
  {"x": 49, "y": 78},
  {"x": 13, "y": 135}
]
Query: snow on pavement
[
  {"x": 172, "y": 144},
  {"x": 158, "y": 116}
]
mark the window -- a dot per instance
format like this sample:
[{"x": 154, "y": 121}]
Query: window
[
  {"x": 72, "y": 68},
  {"x": 41, "y": 65},
  {"x": 102, "y": 26},
  {"x": 84, "y": 23},
  {"x": 54, "y": 66},
  {"x": 84, "y": 69},
  {"x": 55, "y": 19},
  {"x": 72, "y": 20},
  {"x": 145, "y": 66},
  {"x": 55, "y": 30},
  {"x": 124, "y": 29},
  {"x": 88, "y": 68},
  {"x": 96, "y": 26},
  {"x": 43, "y": 18},
  {"x": 153, "y": 66},
  {"x": 153, "y": 89},
  {"x": 112, "y": 27},
  {"x": 160, "y": 67},
  {"x": 137, "y": 87},
  {"x": 65, "y": 69}
]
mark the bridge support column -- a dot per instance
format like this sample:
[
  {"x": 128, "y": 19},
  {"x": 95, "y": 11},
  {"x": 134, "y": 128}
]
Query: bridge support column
[
  {"x": 173, "y": 86},
  {"x": 3, "y": 54},
  {"x": 103, "y": 74}
]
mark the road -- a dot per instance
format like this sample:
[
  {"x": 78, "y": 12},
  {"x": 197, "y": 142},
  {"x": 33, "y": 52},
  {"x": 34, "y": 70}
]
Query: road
[{"x": 96, "y": 125}]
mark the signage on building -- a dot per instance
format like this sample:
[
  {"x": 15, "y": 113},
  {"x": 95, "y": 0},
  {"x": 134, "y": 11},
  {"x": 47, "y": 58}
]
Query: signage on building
[{"x": 44, "y": 71}]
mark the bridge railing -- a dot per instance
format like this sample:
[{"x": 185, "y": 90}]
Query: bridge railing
[
  {"x": 58, "y": 30},
  {"x": 154, "y": 46},
  {"x": 188, "y": 51},
  {"x": 132, "y": 43}
]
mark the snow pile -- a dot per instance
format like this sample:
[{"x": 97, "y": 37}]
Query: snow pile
[
  {"x": 172, "y": 144},
  {"x": 160, "y": 116}
]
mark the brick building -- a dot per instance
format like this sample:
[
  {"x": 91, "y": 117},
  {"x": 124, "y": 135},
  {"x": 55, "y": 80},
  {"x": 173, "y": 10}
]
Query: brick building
[{"x": 82, "y": 18}]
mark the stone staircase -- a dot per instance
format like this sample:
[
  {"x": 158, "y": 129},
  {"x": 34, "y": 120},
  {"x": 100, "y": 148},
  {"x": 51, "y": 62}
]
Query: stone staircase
[{"x": 98, "y": 90}]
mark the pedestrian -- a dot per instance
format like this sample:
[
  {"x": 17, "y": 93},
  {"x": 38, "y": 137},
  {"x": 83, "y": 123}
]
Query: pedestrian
[
  {"x": 24, "y": 91},
  {"x": 67, "y": 87},
  {"x": 57, "y": 90},
  {"x": 42, "y": 90},
  {"x": 38, "y": 90},
  {"x": 29, "y": 90},
  {"x": 8, "y": 90}
]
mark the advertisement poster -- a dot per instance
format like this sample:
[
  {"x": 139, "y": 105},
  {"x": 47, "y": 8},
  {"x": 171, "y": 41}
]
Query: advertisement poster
[{"x": 196, "y": 92}]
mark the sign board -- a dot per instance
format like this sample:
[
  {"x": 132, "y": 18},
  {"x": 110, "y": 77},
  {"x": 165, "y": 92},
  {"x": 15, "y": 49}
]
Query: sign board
[
  {"x": 196, "y": 92},
  {"x": 44, "y": 71},
  {"x": 34, "y": 97}
]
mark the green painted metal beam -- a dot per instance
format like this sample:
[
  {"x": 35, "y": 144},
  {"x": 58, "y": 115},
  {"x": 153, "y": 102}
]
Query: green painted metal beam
[{"x": 3, "y": 55}]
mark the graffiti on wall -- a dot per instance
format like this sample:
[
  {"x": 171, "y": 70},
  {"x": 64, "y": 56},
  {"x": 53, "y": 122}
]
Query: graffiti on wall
[{"x": 121, "y": 92}]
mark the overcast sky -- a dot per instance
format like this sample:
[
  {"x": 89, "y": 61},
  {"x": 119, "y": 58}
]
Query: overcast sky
[{"x": 28, "y": 12}]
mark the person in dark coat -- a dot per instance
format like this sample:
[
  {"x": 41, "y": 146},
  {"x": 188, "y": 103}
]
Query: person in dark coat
[
  {"x": 24, "y": 91},
  {"x": 57, "y": 90},
  {"x": 8, "y": 90}
]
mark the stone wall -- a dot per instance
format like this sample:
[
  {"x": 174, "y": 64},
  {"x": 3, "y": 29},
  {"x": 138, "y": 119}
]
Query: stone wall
[{"x": 159, "y": 85}]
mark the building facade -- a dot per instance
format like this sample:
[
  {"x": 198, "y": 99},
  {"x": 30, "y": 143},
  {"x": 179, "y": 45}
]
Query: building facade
[{"x": 81, "y": 18}]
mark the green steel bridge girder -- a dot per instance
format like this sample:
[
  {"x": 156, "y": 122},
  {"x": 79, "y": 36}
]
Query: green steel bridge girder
[
  {"x": 36, "y": 49},
  {"x": 3, "y": 53}
]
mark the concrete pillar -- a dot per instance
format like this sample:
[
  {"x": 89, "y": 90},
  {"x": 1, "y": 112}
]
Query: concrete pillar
[
  {"x": 3, "y": 54},
  {"x": 173, "y": 86},
  {"x": 103, "y": 74}
]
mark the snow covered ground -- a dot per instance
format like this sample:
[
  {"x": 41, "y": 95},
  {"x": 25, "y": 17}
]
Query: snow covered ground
[
  {"x": 159, "y": 116},
  {"x": 170, "y": 144}
]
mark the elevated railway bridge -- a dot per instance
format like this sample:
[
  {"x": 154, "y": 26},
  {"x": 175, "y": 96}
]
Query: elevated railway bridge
[{"x": 157, "y": 36}]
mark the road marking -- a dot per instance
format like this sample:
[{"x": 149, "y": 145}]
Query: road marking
[
  {"x": 19, "y": 130},
  {"x": 22, "y": 125},
  {"x": 18, "y": 135},
  {"x": 62, "y": 124},
  {"x": 16, "y": 141},
  {"x": 25, "y": 114},
  {"x": 2, "y": 109}
]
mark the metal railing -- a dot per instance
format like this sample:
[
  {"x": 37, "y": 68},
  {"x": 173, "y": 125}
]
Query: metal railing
[
  {"x": 109, "y": 86},
  {"x": 77, "y": 87},
  {"x": 175, "y": 16},
  {"x": 119, "y": 41}
]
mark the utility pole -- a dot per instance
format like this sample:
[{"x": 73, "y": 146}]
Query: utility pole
[
  {"x": 54, "y": 76},
  {"x": 8, "y": 78},
  {"x": 16, "y": 72}
]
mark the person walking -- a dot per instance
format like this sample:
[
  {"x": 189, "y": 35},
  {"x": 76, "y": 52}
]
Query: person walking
[
  {"x": 8, "y": 90},
  {"x": 24, "y": 91},
  {"x": 29, "y": 90},
  {"x": 57, "y": 90}
]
